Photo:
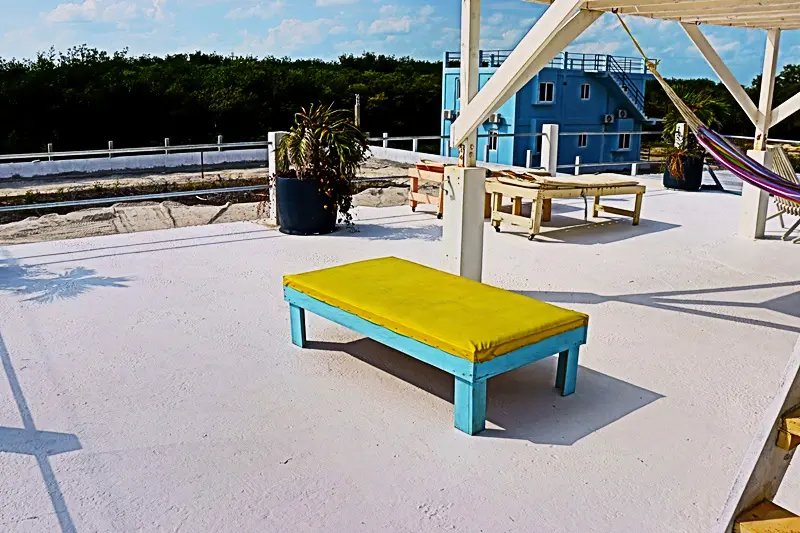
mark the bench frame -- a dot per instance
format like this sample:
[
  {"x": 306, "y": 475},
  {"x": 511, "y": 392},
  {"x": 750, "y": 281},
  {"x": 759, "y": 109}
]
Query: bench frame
[{"x": 470, "y": 378}]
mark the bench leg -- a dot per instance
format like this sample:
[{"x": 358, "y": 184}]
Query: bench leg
[
  {"x": 297, "y": 317},
  {"x": 470, "y": 405},
  {"x": 567, "y": 373},
  {"x": 637, "y": 210}
]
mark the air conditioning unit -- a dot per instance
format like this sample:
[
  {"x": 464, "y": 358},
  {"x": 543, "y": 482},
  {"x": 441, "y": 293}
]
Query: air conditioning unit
[
  {"x": 449, "y": 114},
  {"x": 622, "y": 113},
  {"x": 495, "y": 118},
  {"x": 608, "y": 119}
]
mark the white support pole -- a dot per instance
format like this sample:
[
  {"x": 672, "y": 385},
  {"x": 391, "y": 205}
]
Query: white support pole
[
  {"x": 385, "y": 140},
  {"x": 219, "y": 141},
  {"x": 166, "y": 145},
  {"x": 755, "y": 202},
  {"x": 110, "y": 148},
  {"x": 274, "y": 138},
  {"x": 577, "y": 165},
  {"x": 415, "y": 145},
  {"x": 469, "y": 77},
  {"x": 550, "y": 148},
  {"x": 464, "y": 192},
  {"x": 722, "y": 72},
  {"x": 515, "y": 70},
  {"x": 634, "y": 169},
  {"x": 529, "y": 159},
  {"x": 680, "y": 134},
  {"x": 767, "y": 88},
  {"x": 49, "y": 151}
]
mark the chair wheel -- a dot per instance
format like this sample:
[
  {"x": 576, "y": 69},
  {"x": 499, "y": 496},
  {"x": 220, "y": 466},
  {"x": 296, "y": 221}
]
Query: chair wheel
[
  {"x": 531, "y": 237},
  {"x": 497, "y": 229},
  {"x": 440, "y": 216},
  {"x": 413, "y": 209}
]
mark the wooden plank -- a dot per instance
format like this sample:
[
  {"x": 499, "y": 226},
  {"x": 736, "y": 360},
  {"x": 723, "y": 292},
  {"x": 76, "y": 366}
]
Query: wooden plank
[
  {"x": 422, "y": 198},
  {"x": 516, "y": 208},
  {"x": 787, "y": 441},
  {"x": 547, "y": 210},
  {"x": 767, "y": 517},
  {"x": 426, "y": 175},
  {"x": 530, "y": 354},
  {"x": 596, "y": 207},
  {"x": 615, "y": 210},
  {"x": 536, "y": 216},
  {"x": 487, "y": 205},
  {"x": 637, "y": 209},
  {"x": 764, "y": 464},
  {"x": 413, "y": 189},
  {"x": 499, "y": 216}
]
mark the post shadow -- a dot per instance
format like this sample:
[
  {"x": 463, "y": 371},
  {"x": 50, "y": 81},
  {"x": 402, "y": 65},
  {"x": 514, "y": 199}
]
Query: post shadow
[{"x": 40, "y": 444}]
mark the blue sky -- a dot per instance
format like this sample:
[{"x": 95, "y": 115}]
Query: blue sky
[{"x": 327, "y": 28}]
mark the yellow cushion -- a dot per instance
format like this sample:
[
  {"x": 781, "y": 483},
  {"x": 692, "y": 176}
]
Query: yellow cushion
[{"x": 459, "y": 316}]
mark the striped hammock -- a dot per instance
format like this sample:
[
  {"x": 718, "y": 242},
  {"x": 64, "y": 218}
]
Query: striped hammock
[{"x": 727, "y": 155}]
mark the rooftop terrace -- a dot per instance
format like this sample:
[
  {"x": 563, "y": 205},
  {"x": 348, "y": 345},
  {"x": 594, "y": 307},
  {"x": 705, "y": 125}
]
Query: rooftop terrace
[{"x": 149, "y": 384}]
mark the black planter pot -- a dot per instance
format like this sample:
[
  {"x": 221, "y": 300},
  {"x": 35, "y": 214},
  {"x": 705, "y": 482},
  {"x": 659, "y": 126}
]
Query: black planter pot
[
  {"x": 301, "y": 208},
  {"x": 692, "y": 175}
]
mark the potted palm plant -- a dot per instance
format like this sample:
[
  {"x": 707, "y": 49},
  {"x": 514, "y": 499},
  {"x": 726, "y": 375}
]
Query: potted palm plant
[
  {"x": 684, "y": 159},
  {"x": 318, "y": 160}
]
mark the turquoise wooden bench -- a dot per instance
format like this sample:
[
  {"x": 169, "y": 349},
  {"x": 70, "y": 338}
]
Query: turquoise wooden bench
[{"x": 471, "y": 330}]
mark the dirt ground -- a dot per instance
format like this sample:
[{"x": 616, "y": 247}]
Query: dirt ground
[{"x": 146, "y": 216}]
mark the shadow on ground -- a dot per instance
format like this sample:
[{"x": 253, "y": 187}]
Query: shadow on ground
[
  {"x": 677, "y": 301},
  {"x": 43, "y": 286},
  {"x": 523, "y": 402},
  {"x": 41, "y": 445}
]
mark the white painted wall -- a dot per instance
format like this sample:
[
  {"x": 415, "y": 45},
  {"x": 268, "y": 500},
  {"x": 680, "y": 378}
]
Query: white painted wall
[{"x": 128, "y": 163}]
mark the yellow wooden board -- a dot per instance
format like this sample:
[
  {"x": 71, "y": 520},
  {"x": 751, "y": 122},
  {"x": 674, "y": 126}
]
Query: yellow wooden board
[{"x": 767, "y": 517}]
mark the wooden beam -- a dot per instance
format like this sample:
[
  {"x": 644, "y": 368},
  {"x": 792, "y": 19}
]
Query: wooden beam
[
  {"x": 470, "y": 73},
  {"x": 723, "y": 72},
  {"x": 767, "y": 88},
  {"x": 527, "y": 51},
  {"x": 785, "y": 110}
]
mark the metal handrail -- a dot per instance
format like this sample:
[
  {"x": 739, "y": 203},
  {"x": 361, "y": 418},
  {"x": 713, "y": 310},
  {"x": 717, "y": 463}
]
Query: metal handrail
[
  {"x": 110, "y": 152},
  {"x": 565, "y": 60},
  {"x": 626, "y": 83}
]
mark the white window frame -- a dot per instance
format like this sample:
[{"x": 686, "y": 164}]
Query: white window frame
[
  {"x": 624, "y": 141},
  {"x": 552, "y": 90},
  {"x": 583, "y": 140},
  {"x": 587, "y": 89},
  {"x": 458, "y": 89}
]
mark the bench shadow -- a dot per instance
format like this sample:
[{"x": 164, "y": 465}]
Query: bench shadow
[{"x": 523, "y": 403}]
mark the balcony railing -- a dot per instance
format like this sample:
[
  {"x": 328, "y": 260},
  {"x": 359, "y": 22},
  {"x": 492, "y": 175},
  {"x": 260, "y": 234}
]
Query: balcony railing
[{"x": 564, "y": 60}]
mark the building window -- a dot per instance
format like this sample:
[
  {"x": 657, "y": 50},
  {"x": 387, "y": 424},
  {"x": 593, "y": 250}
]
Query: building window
[
  {"x": 583, "y": 140},
  {"x": 493, "y": 139},
  {"x": 625, "y": 141},
  {"x": 585, "y": 91},
  {"x": 546, "y": 89},
  {"x": 458, "y": 89}
]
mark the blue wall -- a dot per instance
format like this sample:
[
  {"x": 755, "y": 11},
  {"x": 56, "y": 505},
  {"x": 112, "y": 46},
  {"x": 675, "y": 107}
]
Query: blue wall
[{"x": 524, "y": 113}]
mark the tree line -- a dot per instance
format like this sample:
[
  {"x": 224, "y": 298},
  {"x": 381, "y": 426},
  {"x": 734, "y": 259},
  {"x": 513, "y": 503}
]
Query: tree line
[{"x": 82, "y": 98}]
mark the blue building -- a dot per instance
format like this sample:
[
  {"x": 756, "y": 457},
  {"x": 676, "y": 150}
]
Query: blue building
[{"x": 582, "y": 93}]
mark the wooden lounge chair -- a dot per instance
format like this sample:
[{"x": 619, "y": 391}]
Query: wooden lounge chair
[
  {"x": 543, "y": 189},
  {"x": 471, "y": 330},
  {"x": 782, "y": 166}
]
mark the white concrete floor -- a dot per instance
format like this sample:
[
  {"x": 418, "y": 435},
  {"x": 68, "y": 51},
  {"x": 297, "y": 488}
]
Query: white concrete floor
[{"x": 149, "y": 383}]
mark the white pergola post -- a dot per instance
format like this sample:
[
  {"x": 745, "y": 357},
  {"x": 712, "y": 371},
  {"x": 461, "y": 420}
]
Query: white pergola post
[
  {"x": 274, "y": 139},
  {"x": 470, "y": 69},
  {"x": 755, "y": 202},
  {"x": 550, "y": 148},
  {"x": 464, "y": 186}
]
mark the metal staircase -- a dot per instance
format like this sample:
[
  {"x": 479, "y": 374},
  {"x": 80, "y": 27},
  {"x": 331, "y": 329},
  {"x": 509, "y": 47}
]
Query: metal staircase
[{"x": 619, "y": 74}]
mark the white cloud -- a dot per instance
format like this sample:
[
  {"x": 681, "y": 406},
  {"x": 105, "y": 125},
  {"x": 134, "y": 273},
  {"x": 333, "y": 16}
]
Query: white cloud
[
  {"x": 495, "y": 19},
  {"x": 324, "y": 3},
  {"x": 337, "y": 30},
  {"x": 388, "y": 10},
  {"x": 262, "y": 10},
  {"x": 391, "y": 25},
  {"x": 288, "y": 36},
  {"x": 108, "y": 11}
]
